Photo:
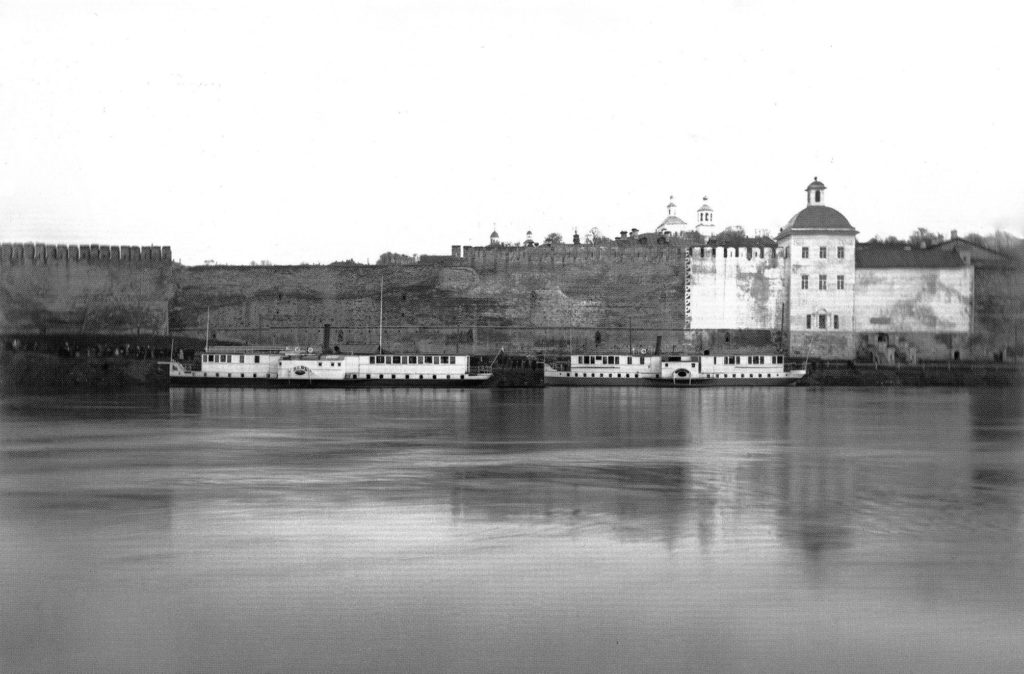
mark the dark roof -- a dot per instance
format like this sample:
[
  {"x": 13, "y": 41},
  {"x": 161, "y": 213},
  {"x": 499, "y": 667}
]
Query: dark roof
[
  {"x": 979, "y": 254},
  {"x": 672, "y": 221},
  {"x": 818, "y": 219},
  {"x": 816, "y": 185},
  {"x": 743, "y": 242},
  {"x": 885, "y": 257}
]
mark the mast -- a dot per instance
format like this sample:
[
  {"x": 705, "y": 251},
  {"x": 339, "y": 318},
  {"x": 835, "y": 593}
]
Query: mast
[
  {"x": 207, "y": 328},
  {"x": 380, "y": 328}
]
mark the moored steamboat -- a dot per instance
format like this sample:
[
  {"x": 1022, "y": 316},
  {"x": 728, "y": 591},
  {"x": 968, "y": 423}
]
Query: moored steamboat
[
  {"x": 672, "y": 370},
  {"x": 274, "y": 367}
]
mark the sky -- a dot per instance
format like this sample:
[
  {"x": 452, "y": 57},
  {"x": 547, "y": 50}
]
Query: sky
[{"x": 315, "y": 131}]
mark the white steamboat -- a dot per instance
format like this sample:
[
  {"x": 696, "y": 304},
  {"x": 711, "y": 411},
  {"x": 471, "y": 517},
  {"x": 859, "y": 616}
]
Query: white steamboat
[
  {"x": 236, "y": 366},
  {"x": 672, "y": 370}
]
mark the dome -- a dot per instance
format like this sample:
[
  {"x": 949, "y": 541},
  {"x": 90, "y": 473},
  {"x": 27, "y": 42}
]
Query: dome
[
  {"x": 672, "y": 221},
  {"x": 816, "y": 185},
  {"x": 494, "y": 234},
  {"x": 818, "y": 219}
]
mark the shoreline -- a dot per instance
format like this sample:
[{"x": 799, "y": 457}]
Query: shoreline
[{"x": 34, "y": 372}]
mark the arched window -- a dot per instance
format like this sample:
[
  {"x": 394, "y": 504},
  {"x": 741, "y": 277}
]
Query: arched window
[{"x": 817, "y": 196}]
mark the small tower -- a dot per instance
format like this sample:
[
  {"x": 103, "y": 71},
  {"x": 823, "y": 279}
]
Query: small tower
[
  {"x": 672, "y": 220},
  {"x": 706, "y": 218},
  {"x": 816, "y": 193},
  {"x": 494, "y": 238},
  {"x": 529, "y": 243}
]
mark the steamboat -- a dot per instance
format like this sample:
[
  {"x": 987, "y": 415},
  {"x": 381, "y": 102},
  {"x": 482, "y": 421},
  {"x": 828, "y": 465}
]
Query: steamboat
[
  {"x": 672, "y": 370},
  {"x": 275, "y": 367}
]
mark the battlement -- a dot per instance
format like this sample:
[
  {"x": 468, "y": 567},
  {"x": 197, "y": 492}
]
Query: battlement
[
  {"x": 569, "y": 255},
  {"x": 43, "y": 253},
  {"x": 740, "y": 252}
]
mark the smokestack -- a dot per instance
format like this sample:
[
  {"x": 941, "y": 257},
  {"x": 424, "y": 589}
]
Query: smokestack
[
  {"x": 326, "y": 346},
  {"x": 657, "y": 346}
]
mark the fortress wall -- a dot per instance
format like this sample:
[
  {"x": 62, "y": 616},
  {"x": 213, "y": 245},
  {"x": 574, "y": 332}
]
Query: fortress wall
[
  {"x": 999, "y": 309},
  {"x": 914, "y": 300},
  {"x": 735, "y": 288},
  {"x": 540, "y": 291},
  {"x": 59, "y": 288}
]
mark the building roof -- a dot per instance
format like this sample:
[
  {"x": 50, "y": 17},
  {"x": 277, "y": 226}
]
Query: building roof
[
  {"x": 672, "y": 221},
  {"x": 818, "y": 219},
  {"x": 733, "y": 241},
  {"x": 816, "y": 185},
  {"x": 886, "y": 257}
]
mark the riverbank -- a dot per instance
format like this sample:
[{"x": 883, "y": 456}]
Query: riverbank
[
  {"x": 31, "y": 372},
  {"x": 926, "y": 374}
]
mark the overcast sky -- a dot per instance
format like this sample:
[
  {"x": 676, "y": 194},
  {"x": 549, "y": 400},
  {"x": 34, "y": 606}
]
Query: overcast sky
[{"x": 314, "y": 131}]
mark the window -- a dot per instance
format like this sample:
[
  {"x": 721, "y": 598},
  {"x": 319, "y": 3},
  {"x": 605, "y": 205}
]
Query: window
[
  {"x": 822, "y": 282},
  {"x": 817, "y": 196},
  {"x": 822, "y": 321},
  {"x": 808, "y": 321},
  {"x": 256, "y": 359},
  {"x": 805, "y": 252},
  {"x": 823, "y": 252},
  {"x": 840, "y": 282},
  {"x": 803, "y": 282},
  {"x": 839, "y": 252},
  {"x": 835, "y": 322}
]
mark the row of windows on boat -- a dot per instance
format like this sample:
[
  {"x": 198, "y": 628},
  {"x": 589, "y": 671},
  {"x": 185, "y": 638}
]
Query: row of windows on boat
[
  {"x": 268, "y": 375},
  {"x": 388, "y": 360},
  {"x": 598, "y": 375},
  {"x": 725, "y": 360}
]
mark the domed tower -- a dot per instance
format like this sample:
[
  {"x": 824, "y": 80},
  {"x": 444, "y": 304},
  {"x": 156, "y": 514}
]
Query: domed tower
[
  {"x": 817, "y": 248},
  {"x": 671, "y": 221},
  {"x": 529, "y": 239},
  {"x": 706, "y": 219},
  {"x": 495, "y": 238}
]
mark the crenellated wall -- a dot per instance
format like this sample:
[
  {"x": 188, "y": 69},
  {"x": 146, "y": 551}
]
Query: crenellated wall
[
  {"x": 42, "y": 253},
  {"x": 734, "y": 288},
  {"x": 81, "y": 289},
  {"x": 548, "y": 298}
]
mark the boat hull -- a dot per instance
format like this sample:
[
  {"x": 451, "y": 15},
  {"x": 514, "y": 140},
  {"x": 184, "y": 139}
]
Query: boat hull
[
  {"x": 696, "y": 382},
  {"x": 295, "y": 382}
]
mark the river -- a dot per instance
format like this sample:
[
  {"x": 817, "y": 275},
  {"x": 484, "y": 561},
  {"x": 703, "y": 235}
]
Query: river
[{"x": 590, "y": 530}]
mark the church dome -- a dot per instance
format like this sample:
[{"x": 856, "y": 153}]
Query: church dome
[
  {"x": 816, "y": 185},
  {"x": 672, "y": 221},
  {"x": 818, "y": 219}
]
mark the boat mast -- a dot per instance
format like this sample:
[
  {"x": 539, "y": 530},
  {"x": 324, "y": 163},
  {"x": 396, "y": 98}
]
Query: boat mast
[
  {"x": 207, "y": 328},
  {"x": 380, "y": 328}
]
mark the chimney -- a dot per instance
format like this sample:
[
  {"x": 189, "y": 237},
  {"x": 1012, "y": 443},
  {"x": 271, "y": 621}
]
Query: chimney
[
  {"x": 326, "y": 346},
  {"x": 952, "y": 235}
]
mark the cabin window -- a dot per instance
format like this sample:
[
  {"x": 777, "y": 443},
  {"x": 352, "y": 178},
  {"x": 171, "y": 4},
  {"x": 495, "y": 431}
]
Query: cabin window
[
  {"x": 256, "y": 359},
  {"x": 822, "y": 321},
  {"x": 804, "y": 281},
  {"x": 805, "y": 252},
  {"x": 840, "y": 282},
  {"x": 822, "y": 282},
  {"x": 808, "y": 321},
  {"x": 840, "y": 252},
  {"x": 641, "y": 360},
  {"x": 835, "y": 322}
]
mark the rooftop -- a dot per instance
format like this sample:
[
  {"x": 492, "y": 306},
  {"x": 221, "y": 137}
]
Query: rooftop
[{"x": 875, "y": 256}]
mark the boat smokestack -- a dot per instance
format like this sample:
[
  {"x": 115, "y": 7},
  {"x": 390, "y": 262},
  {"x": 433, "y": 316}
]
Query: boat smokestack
[
  {"x": 657, "y": 346},
  {"x": 326, "y": 346}
]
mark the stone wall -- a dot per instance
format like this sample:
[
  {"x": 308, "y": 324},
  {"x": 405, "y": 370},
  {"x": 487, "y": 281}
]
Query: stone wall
[
  {"x": 82, "y": 289},
  {"x": 914, "y": 300},
  {"x": 735, "y": 288}
]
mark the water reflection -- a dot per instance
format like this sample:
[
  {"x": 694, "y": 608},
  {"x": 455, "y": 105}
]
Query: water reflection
[{"x": 223, "y": 530}]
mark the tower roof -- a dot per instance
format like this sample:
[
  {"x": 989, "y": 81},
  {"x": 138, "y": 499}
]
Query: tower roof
[
  {"x": 705, "y": 206},
  {"x": 816, "y": 185},
  {"x": 818, "y": 219}
]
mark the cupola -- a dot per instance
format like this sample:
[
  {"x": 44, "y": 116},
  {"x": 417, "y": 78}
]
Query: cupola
[{"x": 816, "y": 193}]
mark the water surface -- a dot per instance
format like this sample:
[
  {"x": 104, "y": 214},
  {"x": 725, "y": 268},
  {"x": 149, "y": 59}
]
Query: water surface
[{"x": 530, "y": 530}]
